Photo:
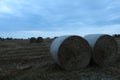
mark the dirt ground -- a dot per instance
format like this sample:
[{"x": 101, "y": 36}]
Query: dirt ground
[{"x": 20, "y": 60}]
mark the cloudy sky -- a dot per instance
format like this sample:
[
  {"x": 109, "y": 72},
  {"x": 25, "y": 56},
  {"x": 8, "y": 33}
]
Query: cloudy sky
[{"x": 49, "y": 18}]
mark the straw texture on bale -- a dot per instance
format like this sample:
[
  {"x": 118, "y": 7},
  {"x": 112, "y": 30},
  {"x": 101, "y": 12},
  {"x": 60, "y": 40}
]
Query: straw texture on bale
[
  {"x": 104, "y": 49},
  {"x": 71, "y": 52}
]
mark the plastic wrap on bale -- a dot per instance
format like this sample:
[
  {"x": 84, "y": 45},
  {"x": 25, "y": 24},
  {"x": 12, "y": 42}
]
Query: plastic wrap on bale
[{"x": 71, "y": 52}]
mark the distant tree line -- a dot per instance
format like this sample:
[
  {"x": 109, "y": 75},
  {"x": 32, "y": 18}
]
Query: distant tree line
[
  {"x": 10, "y": 38},
  {"x": 2, "y": 39},
  {"x": 116, "y": 35}
]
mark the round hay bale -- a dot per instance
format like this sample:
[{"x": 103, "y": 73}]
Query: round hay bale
[
  {"x": 104, "y": 49},
  {"x": 71, "y": 52},
  {"x": 33, "y": 40},
  {"x": 39, "y": 40}
]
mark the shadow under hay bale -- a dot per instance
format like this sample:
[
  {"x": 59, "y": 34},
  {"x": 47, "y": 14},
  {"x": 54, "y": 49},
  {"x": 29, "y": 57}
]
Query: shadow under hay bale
[
  {"x": 71, "y": 52},
  {"x": 104, "y": 49}
]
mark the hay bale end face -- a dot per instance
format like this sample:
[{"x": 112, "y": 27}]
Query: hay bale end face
[
  {"x": 71, "y": 52},
  {"x": 104, "y": 49}
]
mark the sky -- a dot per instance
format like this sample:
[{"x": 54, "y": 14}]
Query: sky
[{"x": 50, "y": 18}]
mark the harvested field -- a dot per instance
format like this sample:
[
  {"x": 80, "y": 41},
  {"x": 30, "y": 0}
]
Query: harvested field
[{"x": 34, "y": 62}]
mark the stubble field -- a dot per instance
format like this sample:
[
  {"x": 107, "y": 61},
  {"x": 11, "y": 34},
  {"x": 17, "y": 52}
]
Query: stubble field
[{"x": 20, "y": 60}]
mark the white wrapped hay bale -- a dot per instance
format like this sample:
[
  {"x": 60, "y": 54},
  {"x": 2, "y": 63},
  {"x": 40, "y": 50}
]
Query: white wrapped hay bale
[
  {"x": 71, "y": 52},
  {"x": 104, "y": 48}
]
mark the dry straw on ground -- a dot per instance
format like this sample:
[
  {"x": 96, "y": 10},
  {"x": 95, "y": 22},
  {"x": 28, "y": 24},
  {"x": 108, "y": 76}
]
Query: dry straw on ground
[
  {"x": 71, "y": 52},
  {"x": 104, "y": 49}
]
